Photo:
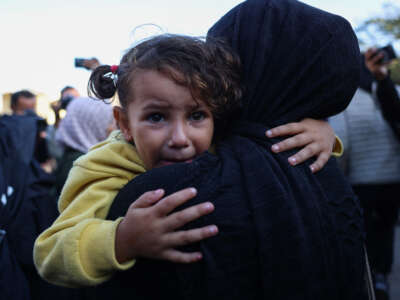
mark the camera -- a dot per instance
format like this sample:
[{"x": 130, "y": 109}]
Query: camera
[
  {"x": 65, "y": 101},
  {"x": 388, "y": 54},
  {"x": 87, "y": 63},
  {"x": 79, "y": 62}
]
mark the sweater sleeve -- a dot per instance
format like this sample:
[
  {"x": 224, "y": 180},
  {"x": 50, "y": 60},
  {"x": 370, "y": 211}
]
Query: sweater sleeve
[
  {"x": 338, "y": 148},
  {"x": 79, "y": 248}
]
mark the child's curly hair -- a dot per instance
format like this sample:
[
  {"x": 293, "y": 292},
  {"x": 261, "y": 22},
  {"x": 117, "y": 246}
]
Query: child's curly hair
[{"x": 209, "y": 68}]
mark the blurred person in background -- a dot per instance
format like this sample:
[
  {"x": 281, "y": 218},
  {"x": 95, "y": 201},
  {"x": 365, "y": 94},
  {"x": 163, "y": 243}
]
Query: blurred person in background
[
  {"x": 31, "y": 132},
  {"x": 87, "y": 122},
  {"x": 67, "y": 94},
  {"x": 27, "y": 207},
  {"x": 371, "y": 161},
  {"x": 22, "y": 101}
]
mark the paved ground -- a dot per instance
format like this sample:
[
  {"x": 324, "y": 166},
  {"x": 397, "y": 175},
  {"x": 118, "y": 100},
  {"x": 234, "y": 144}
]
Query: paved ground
[{"x": 395, "y": 276}]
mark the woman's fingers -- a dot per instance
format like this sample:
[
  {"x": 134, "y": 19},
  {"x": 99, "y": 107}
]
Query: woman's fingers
[
  {"x": 148, "y": 199},
  {"x": 296, "y": 141},
  {"x": 168, "y": 204},
  {"x": 180, "y": 218}
]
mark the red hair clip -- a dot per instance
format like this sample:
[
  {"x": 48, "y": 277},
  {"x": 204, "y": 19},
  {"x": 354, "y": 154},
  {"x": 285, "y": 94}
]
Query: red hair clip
[{"x": 114, "y": 69}]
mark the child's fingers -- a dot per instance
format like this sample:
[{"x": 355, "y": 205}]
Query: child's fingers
[
  {"x": 287, "y": 129},
  {"x": 296, "y": 141},
  {"x": 320, "y": 162},
  {"x": 168, "y": 204},
  {"x": 181, "y": 257},
  {"x": 148, "y": 199},
  {"x": 185, "y": 237},
  {"x": 304, "y": 154},
  {"x": 180, "y": 218}
]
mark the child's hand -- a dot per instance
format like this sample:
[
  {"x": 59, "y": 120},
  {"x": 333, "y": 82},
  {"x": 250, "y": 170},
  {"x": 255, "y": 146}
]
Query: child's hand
[
  {"x": 315, "y": 136},
  {"x": 150, "y": 230}
]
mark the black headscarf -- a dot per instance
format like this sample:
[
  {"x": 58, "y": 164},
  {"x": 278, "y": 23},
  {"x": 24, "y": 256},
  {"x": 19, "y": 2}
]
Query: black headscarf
[
  {"x": 285, "y": 233},
  {"x": 298, "y": 61}
]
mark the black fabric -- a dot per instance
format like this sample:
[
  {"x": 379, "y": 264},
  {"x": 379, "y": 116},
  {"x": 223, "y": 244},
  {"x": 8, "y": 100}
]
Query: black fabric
[
  {"x": 298, "y": 61},
  {"x": 23, "y": 130},
  {"x": 285, "y": 233},
  {"x": 13, "y": 281},
  {"x": 381, "y": 212},
  {"x": 64, "y": 166},
  {"x": 366, "y": 77},
  {"x": 28, "y": 207},
  {"x": 389, "y": 100}
]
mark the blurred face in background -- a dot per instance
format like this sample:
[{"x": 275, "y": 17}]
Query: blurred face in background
[
  {"x": 23, "y": 104},
  {"x": 70, "y": 93}
]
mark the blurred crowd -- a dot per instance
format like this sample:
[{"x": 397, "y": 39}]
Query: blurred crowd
[
  {"x": 36, "y": 158},
  {"x": 370, "y": 131}
]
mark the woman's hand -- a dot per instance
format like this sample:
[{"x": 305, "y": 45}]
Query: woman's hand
[
  {"x": 315, "y": 137},
  {"x": 151, "y": 230}
]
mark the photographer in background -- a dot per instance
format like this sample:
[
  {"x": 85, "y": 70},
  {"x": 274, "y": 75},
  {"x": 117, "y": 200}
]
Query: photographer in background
[
  {"x": 386, "y": 91},
  {"x": 67, "y": 95},
  {"x": 371, "y": 159}
]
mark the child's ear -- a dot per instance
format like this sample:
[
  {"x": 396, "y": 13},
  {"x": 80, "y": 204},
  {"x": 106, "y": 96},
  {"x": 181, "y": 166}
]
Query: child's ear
[{"x": 122, "y": 122}]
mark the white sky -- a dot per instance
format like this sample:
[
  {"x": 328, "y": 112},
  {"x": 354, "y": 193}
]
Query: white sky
[{"x": 41, "y": 38}]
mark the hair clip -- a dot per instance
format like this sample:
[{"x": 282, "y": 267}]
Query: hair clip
[
  {"x": 114, "y": 69},
  {"x": 113, "y": 74}
]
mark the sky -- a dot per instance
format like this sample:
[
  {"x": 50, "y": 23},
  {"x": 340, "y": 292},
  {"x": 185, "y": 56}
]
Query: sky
[{"x": 41, "y": 38}]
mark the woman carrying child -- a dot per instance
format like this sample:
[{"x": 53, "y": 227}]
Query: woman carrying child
[{"x": 277, "y": 224}]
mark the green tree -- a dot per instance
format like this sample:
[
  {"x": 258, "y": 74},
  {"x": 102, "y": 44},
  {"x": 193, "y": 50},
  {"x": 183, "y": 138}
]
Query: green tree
[{"x": 381, "y": 27}]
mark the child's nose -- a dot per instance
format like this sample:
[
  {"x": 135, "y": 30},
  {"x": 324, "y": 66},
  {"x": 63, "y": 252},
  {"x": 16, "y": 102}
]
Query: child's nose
[{"x": 179, "y": 138}]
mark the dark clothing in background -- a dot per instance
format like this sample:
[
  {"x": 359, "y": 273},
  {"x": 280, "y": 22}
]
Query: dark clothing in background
[
  {"x": 284, "y": 233},
  {"x": 27, "y": 208},
  {"x": 13, "y": 181},
  {"x": 389, "y": 99},
  {"x": 386, "y": 94},
  {"x": 381, "y": 209},
  {"x": 64, "y": 166},
  {"x": 380, "y": 201}
]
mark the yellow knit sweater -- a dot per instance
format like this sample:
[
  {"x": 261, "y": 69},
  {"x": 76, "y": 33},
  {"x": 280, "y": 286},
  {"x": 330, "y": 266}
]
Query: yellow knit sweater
[{"x": 78, "y": 249}]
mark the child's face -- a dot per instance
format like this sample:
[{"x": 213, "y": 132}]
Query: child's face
[{"x": 166, "y": 124}]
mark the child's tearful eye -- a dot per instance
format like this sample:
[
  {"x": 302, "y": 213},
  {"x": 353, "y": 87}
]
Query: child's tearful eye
[
  {"x": 155, "y": 118},
  {"x": 197, "y": 116}
]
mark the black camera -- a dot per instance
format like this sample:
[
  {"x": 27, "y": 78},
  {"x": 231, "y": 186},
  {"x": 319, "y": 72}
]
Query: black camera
[
  {"x": 65, "y": 101},
  {"x": 388, "y": 54},
  {"x": 79, "y": 62}
]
